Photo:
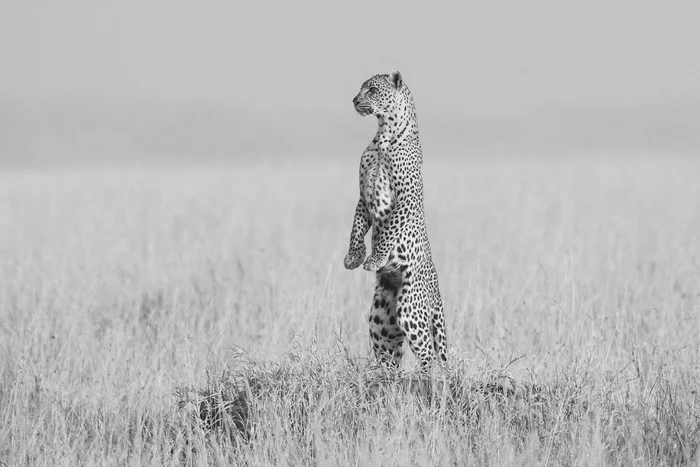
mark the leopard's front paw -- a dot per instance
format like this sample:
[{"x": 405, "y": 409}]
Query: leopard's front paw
[
  {"x": 373, "y": 263},
  {"x": 354, "y": 258}
]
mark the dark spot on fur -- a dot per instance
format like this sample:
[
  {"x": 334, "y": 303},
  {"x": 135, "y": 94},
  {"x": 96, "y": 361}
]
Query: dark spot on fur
[{"x": 389, "y": 279}]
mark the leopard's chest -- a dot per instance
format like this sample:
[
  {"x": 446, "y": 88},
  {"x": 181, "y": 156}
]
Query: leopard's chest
[{"x": 378, "y": 190}]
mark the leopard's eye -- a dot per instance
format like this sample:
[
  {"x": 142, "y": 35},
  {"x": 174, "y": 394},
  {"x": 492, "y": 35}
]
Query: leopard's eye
[{"x": 373, "y": 90}]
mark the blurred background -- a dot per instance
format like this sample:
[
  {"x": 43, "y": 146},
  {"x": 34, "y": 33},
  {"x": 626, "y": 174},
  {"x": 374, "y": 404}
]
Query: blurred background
[{"x": 88, "y": 82}]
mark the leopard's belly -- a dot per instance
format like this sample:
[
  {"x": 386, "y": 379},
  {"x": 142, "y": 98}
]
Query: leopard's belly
[{"x": 378, "y": 193}]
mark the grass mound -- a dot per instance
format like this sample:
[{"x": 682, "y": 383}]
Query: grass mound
[{"x": 312, "y": 409}]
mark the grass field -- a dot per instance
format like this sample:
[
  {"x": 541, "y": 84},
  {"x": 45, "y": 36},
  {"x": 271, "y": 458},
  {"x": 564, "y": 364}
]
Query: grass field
[{"x": 203, "y": 317}]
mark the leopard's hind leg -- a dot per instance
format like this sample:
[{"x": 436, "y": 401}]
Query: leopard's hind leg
[{"x": 413, "y": 309}]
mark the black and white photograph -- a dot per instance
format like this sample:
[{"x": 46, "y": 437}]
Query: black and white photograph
[{"x": 369, "y": 233}]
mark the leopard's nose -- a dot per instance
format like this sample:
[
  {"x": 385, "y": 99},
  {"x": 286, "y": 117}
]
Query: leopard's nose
[{"x": 356, "y": 100}]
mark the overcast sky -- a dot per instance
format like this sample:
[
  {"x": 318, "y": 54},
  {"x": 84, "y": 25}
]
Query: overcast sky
[{"x": 474, "y": 57}]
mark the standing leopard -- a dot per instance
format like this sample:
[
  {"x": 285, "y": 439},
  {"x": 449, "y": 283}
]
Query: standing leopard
[{"x": 407, "y": 303}]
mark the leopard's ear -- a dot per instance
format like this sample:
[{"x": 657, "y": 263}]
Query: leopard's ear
[{"x": 396, "y": 79}]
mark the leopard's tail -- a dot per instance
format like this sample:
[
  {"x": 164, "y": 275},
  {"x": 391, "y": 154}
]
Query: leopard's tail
[
  {"x": 439, "y": 337},
  {"x": 437, "y": 319}
]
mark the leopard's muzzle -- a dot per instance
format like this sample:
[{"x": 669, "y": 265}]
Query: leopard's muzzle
[{"x": 361, "y": 106}]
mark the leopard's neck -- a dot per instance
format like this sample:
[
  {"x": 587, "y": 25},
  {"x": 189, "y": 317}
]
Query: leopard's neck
[{"x": 395, "y": 131}]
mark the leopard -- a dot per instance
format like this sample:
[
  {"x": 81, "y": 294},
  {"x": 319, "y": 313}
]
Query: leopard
[{"x": 407, "y": 305}]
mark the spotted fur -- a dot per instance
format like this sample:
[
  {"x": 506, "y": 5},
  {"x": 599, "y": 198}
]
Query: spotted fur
[{"x": 407, "y": 305}]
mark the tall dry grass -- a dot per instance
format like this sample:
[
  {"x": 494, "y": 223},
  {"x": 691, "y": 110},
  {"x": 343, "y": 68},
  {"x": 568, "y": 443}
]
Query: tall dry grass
[{"x": 202, "y": 316}]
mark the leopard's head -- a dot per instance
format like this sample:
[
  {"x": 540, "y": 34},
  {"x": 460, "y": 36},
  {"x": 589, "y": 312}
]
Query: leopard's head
[{"x": 383, "y": 96}]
